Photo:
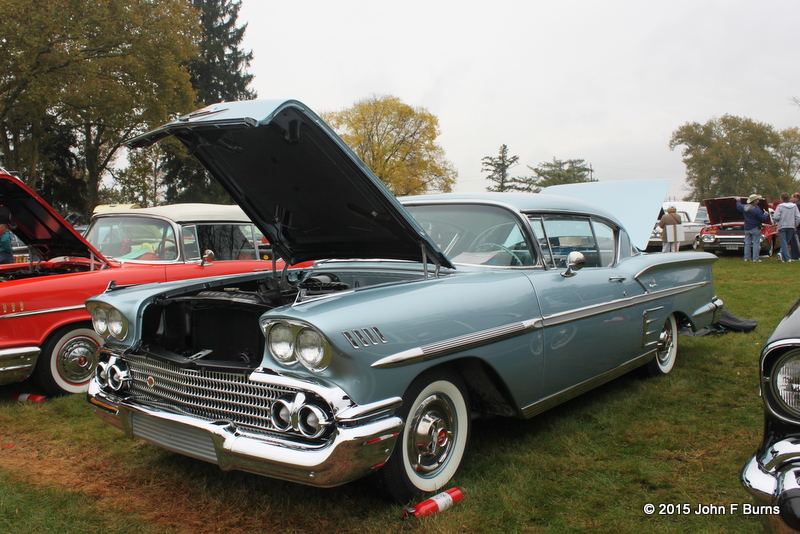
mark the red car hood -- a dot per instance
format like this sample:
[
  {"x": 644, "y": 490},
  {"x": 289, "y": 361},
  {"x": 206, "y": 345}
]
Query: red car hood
[
  {"x": 723, "y": 210},
  {"x": 39, "y": 226}
]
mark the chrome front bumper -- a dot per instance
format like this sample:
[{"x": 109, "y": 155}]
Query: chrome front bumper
[
  {"x": 363, "y": 440},
  {"x": 17, "y": 364},
  {"x": 773, "y": 479}
]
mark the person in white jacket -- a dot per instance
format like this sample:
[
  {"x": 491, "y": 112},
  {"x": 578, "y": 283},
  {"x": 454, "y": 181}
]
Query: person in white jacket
[{"x": 788, "y": 217}]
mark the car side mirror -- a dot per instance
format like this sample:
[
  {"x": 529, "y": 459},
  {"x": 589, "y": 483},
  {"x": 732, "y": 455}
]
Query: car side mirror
[
  {"x": 208, "y": 257},
  {"x": 575, "y": 262}
]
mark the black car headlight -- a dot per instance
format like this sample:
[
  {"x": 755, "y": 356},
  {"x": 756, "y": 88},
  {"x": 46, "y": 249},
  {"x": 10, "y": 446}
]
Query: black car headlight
[
  {"x": 291, "y": 342},
  {"x": 786, "y": 382},
  {"x": 108, "y": 321}
]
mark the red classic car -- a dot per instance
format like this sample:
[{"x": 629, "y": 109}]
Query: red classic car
[
  {"x": 44, "y": 326},
  {"x": 726, "y": 231}
]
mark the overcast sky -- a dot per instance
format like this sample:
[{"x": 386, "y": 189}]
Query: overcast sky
[{"x": 603, "y": 81}]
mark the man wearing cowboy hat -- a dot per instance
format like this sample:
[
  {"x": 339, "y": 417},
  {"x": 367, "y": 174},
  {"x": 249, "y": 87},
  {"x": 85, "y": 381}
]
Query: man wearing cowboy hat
[
  {"x": 6, "y": 252},
  {"x": 753, "y": 217}
]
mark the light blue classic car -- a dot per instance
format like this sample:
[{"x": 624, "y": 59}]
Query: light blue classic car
[{"x": 416, "y": 315}]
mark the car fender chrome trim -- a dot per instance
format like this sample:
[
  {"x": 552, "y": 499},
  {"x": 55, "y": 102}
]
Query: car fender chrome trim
[
  {"x": 42, "y": 312},
  {"x": 484, "y": 337},
  {"x": 450, "y": 346}
]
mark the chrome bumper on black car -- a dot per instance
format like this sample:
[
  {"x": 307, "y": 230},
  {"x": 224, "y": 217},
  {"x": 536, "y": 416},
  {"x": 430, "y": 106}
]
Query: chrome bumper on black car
[
  {"x": 262, "y": 422},
  {"x": 773, "y": 478}
]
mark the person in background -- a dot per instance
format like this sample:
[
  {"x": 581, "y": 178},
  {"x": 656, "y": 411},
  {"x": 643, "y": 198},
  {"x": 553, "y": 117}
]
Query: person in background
[
  {"x": 753, "y": 217},
  {"x": 788, "y": 217},
  {"x": 6, "y": 252},
  {"x": 671, "y": 218},
  {"x": 796, "y": 242}
]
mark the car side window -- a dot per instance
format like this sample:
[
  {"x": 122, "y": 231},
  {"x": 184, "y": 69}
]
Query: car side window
[
  {"x": 133, "y": 238},
  {"x": 189, "y": 238},
  {"x": 605, "y": 242},
  {"x": 593, "y": 238},
  {"x": 228, "y": 241},
  {"x": 541, "y": 237}
]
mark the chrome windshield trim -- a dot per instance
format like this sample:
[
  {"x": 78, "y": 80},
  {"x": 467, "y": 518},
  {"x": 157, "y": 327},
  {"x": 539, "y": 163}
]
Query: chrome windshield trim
[{"x": 42, "y": 312}]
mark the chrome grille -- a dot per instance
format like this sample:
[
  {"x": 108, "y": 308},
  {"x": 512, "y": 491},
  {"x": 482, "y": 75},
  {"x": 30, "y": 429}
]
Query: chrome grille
[
  {"x": 175, "y": 437},
  {"x": 210, "y": 395}
]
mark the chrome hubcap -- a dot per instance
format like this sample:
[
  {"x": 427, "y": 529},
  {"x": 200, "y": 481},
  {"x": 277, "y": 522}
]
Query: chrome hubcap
[
  {"x": 665, "y": 345},
  {"x": 77, "y": 359},
  {"x": 431, "y": 434}
]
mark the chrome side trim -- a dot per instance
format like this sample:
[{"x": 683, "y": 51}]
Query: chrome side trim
[
  {"x": 42, "y": 312},
  {"x": 484, "y": 337},
  {"x": 647, "y": 337},
  {"x": 597, "y": 309},
  {"x": 578, "y": 389},
  {"x": 450, "y": 346}
]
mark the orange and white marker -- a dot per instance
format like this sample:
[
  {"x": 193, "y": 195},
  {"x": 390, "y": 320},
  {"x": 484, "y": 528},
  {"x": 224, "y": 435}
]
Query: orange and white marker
[
  {"x": 438, "y": 503},
  {"x": 27, "y": 397}
]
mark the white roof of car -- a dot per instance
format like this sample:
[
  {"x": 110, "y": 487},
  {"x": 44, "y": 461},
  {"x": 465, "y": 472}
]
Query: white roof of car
[{"x": 185, "y": 213}]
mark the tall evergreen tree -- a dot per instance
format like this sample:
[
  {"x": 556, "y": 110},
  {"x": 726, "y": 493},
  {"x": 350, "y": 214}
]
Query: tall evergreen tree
[
  {"x": 218, "y": 75},
  {"x": 558, "y": 172},
  {"x": 498, "y": 171}
]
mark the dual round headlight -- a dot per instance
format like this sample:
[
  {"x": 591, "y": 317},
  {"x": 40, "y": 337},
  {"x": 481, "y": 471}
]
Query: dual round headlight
[
  {"x": 289, "y": 343},
  {"x": 108, "y": 321}
]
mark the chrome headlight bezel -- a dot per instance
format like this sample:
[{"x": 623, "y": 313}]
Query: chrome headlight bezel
[
  {"x": 291, "y": 342},
  {"x": 108, "y": 321},
  {"x": 708, "y": 238},
  {"x": 784, "y": 383}
]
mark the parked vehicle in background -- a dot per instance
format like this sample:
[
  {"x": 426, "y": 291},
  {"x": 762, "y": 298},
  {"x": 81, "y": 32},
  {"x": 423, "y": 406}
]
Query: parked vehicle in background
[
  {"x": 44, "y": 326},
  {"x": 725, "y": 232},
  {"x": 417, "y": 315},
  {"x": 772, "y": 474},
  {"x": 694, "y": 218}
]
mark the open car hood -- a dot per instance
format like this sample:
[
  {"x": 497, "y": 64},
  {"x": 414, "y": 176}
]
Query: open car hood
[
  {"x": 723, "y": 210},
  {"x": 299, "y": 182},
  {"x": 39, "y": 226}
]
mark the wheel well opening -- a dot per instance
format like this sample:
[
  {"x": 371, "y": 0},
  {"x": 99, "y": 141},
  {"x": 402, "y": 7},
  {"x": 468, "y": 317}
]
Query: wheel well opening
[{"x": 488, "y": 394}]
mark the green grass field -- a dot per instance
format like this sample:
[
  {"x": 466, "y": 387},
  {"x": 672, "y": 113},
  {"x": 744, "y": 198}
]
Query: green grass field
[{"x": 590, "y": 465}]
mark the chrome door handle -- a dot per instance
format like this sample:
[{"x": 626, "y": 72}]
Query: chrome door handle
[{"x": 619, "y": 279}]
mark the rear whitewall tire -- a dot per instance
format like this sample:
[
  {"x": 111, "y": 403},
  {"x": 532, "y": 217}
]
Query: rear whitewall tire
[{"x": 667, "y": 350}]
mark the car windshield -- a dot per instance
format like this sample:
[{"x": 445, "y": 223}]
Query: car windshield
[
  {"x": 133, "y": 238},
  {"x": 476, "y": 234}
]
